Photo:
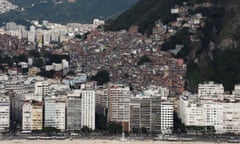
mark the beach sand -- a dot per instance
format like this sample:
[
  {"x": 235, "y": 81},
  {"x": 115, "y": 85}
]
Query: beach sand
[{"x": 96, "y": 141}]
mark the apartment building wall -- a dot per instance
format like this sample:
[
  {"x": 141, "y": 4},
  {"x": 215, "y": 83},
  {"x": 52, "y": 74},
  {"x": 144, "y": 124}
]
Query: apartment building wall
[{"x": 88, "y": 108}]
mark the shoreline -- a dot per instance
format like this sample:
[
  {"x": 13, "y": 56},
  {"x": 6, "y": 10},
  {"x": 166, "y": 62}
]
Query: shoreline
[{"x": 102, "y": 141}]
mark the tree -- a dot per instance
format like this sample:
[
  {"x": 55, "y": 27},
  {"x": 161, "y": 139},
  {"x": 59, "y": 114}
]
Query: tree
[
  {"x": 38, "y": 62},
  {"x": 86, "y": 129},
  {"x": 48, "y": 74},
  {"x": 101, "y": 77},
  {"x": 34, "y": 53},
  {"x": 136, "y": 130},
  {"x": 114, "y": 128},
  {"x": 144, "y": 59},
  {"x": 50, "y": 130}
]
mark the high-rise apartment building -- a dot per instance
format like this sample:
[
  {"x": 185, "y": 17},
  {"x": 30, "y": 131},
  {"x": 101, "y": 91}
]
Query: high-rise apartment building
[
  {"x": 220, "y": 112},
  {"x": 166, "y": 117},
  {"x": 119, "y": 100},
  {"x": 32, "y": 116},
  {"x": 41, "y": 89},
  {"x": 151, "y": 110},
  {"x": 74, "y": 110},
  {"x": 102, "y": 100},
  {"x": 54, "y": 113},
  {"x": 4, "y": 113},
  {"x": 210, "y": 90},
  {"x": 81, "y": 109},
  {"x": 88, "y": 108}
]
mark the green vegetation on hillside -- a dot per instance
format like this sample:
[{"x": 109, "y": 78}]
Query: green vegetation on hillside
[
  {"x": 215, "y": 57},
  {"x": 224, "y": 68},
  {"x": 144, "y": 59},
  {"x": 180, "y": 38},
  {"x": 144, "y": 14},
  {"x": 101, "y": 77},
  {"x": 79, "y": 11}
]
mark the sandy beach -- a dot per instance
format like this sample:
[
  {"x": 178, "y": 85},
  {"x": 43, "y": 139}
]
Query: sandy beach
[{"x": 80, "y": 141}]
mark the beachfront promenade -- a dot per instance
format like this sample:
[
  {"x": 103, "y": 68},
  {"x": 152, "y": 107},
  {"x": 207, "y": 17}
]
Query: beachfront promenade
[{"x": 95, "y": 141}]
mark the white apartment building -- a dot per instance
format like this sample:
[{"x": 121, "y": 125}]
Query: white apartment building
[
  {"x": 54, "y": 113},
  {"x": 166, "y": 117},
  {"x": 41, "y": 89},
  {"x": 151, "y": 110},
  {"x": 31, "y": 37},
  {"x": 17, "y": 103},
  {"x": 223, "y": 113},
  {"x": 119, "y": 104},
  {"x": 32, "y": 116},
  {"x": 98, "y": 22},
  {"x": 46, "y": 38},
  {"x": 55, "y": 36},
  {"x": 210, "y": 91},
  {"x": 231, "y": 117},
  {"x": 88, "y": 108},
  {"x": 4, "y": 113},
  {"x": 26, "y": 117},
  {"x": 119, "y": 99},
  {"x": 189, "y": 111},
  {"x": 236, "y": 92}
]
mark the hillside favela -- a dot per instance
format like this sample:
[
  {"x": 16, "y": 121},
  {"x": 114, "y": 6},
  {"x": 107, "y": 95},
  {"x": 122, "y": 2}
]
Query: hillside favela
[{"x": 112, "y": 72}]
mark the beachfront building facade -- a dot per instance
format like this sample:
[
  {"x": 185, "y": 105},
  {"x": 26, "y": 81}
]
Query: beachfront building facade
[
  {"x": 211, "y": 91},
  {"x": 151, "y": 111},
  {"x": 54, "y": 113},
  {"x": 88, "y": 108},
  {"x": 74, "y": 110},
  {"x": 167, "y": 109},
  {"x": 102, "y": 100},
  {"x": 41, "y": 89},
  {"x": 32, "y": 116},
  {"x": 119, "y": 100},
  {"x": 4, "y": 113},
  {"x": 223, "y": 113}
]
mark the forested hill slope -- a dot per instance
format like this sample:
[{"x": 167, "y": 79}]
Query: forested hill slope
[
  {"x": 216, "y": 56},
  {"x": 143, "y": 14},
  {"x": 65, "y": 11}
]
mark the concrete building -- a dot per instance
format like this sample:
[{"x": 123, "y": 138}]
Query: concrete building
[
  {"x": 75, "y": 80},
  {"x": 88, "y": 108},
  {"x": 46, "y": 38},
  {"x": 119, "y": 100},
  {"x": 41, "y": 89},
  {"x": 54, "y": 113},
  {"x": 4, "y": 113},
  {"x": 236, "y": 92},
  {"x": 145, "y": 113},
  {"x": 223, "y": 113},
  {"x": 31, "y": 37},
  {"x": 102, "y": 100},
  {"x": 98, "y": 22},
  {"x": 74, "y": 110},
  {"x": 17, "y": 102},
  {"x": 32, "y": 116},
  {"x": 27, "y": 117},
  {"x": 33, "y": 71},
  {"x": 152, "y": 111},
  {"x": 210, "y": 90},
  {"x": 166, "y": 117}
]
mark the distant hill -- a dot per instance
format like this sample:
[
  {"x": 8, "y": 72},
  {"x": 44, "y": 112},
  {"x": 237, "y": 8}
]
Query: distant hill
[
  {"x": 64, "y": 11},
  {"x": 217, "y": 54},
  {"x": 144, "y": 14}
]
